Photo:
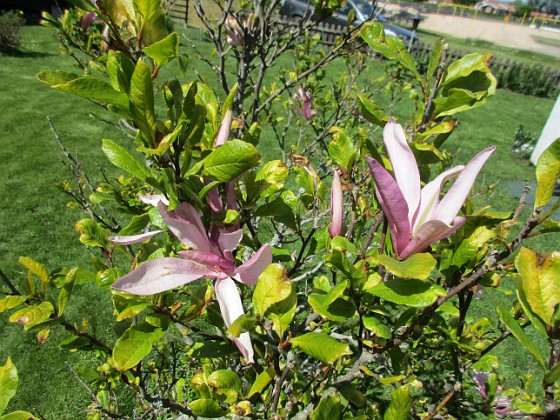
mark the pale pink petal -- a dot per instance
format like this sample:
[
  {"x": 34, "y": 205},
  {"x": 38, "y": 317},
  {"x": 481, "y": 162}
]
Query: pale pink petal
[
  {"x": 161, "y": 274},
  {"x": 393, "y": 204},
  {"x": 230, "y": 196},
  {"x": 184, "y": 222},
  {"x": 225, "y": 128},
  {"x": 250, "y": 270},
  {"x": 457, "y": 194},
  {"x": 429, "y": 199},
  {"x": 206, "y": 258},
  {"x": 337, "y": 206},
  {"x": 429, "y": 232},
  {"x": 404, "y": 165},
  {"x": 228, "y": 242},
  {"x": 153, "y": 200},
  {"x": 133, "y": 239},
  {"x": 231, "y": 308}
]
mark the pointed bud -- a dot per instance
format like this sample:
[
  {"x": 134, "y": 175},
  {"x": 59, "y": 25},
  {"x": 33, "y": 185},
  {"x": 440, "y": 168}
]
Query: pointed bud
[{"x": 337, "y": 204}]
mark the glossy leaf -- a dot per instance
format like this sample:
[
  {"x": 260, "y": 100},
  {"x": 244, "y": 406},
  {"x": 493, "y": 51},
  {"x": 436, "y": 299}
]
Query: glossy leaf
[
  {"x": 539, "y": 279},
  {"x": 11, "y": 302},
  {"x": 163, "y": 51},
  {"x": 273, "y": 286},
  {"x": 32, "y": 314},
  {"x": 341, "y": 148},
  {"x": 19, "y": 415},
  {"x": 512, "y": 325},
  {"x": 329, "y": 407},
  {"x": 548, "y": 173},
  {"x": 377, "y": 327},
  {"x": 123, "y": 159},
  {"x": 142, "y": 101},
  {"x": 8, "y": 383},
  {"x": 120, "y": 69},
  {"x": 282, "y": 313},
  {"x": 400, "y": 405},
  {"x": 321, "y": 346},
  {"x": 205, "y": 407},
  {"x": 417, "y": 266},
  {"x": 435, "y": 58},
  {"x": 225, "y": 382},
  {"x": 92, "y": 233},
  {"x": 66, "y": 290},
  {"x": 135, "y": 344},
  {"x": 230, "y": 160},
  {"x": 416, "y": 293},
  {"x": 552, "y": 375},
  {"x": 262, "y": 381},
  {"x": 270, "y": 178},
  {"x": 371, "y": 111},
  {"x": 38, "y": 270},
  {"x": 537, "y": 322}
]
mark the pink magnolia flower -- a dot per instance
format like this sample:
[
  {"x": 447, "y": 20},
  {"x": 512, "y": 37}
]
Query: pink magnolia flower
[
  {"x": 416, "y": 215},
  {"x": 234, "y": 32},
  {"x": 305, "y": 101},
  {"x": 209, "y": 256},
  {"x": 337, "y": 206}
]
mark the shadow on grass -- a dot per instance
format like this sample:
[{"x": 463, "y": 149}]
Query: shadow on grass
[{"x": 25, "y": 54}]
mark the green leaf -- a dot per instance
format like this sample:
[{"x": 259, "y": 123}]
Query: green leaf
[
  {"x": 32, "y": 314},
  {"x": 371, "y": 111},
  {"x": 206, "y": 96},
  {"x": 37, "y": 269},
  {"x": 416, "y": 293},
  {"x": 552, "y": 375},
  {"x": 162, "y": 52},
  {"x": 273, "y": 286},
  {"x": 280, "y": 210},
  {"x": 225, "y": 382},
  {"x": 417, "y": 266},
  {"x": 377, "y": 327},
  {"x": 435, "y": 58},
  {"x": 11, "y": 302},
  {"x": 329, "y": 407},
  {"x": 205, "y": 407},
  {"x": 92, "y": 233},
  {"x": 400, "y": 406},
  {"x": 135, "y": 344},
  {"x": 548, "y": 173},
  {"x": 8, "y": 383},
  {"x": 123, "y": 159},
  {"x": 539, "y": 276},
  {"x": 512, "y": 325},
  {"x": 270, "y": 178},
  {"x": 89, "y": 87},
  {"x": 19, "y": 415},
  {"x": 231, "y": 160},
  {"x": 120, "y": 69},
  {"x": 66, "y": 290},
  {"x": 536, "y": 321},
  {"x": 282, "y": 313},
  {"x": 262, "y": 381},
  {"x": 142, "y": 101},
  {"x": 136, "y": 224},
  {"x": 321, "y": 346},
  {"x": 341, "y": 148},
  {"x": 243, "y": 323}
]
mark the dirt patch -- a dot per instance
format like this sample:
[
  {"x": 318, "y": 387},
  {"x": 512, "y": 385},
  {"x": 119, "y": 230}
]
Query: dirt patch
[{"x": 501, "y": 33}]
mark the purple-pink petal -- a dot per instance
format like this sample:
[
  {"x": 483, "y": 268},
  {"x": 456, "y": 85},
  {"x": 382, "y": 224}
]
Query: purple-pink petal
[
  {"x": 337, "y": 206},
  {"x": 209, "y": 259},
  {"x": 132, "y": 239},
  {"x": 404, "y": 165},
  {"x": 161, "y": 274},
  {"x": 452, "y": 202},
  {"x": 429, "y": 232},
  {"x": 228, "y": 242},
  {"x": 231, "y": 308},
  {"x": 225, "y": 128},
  {"x": 184, "y": 222},
  {"x": 393, "y": 204},
  {"x": 250, "y": 270}
]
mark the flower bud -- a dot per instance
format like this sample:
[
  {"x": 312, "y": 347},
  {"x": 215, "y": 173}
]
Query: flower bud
[{"x": 337, "y": 204}]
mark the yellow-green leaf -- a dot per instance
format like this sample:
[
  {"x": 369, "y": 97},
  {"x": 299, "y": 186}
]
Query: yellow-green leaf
[
  {"x": 135, "y": 344},
  {"x": 400, "y": 406},
  {"x": 11, "y": 302},
  {"x": 273, "y": 286},
  {"x": 539, "y": 277},
  {"x": 321, "y": 346},
  {"x": 38, "y": 269},
  {"x": 8, "y": 383},
  {"x": 262, "y": 381},
  {"x": 417, "y": 266},
  {"x": 548, "y": 172},
  {"x": 31, "y": 315}
]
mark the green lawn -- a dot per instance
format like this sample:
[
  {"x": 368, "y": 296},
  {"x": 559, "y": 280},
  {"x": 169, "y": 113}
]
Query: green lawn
[{"x": 36, "y": 221}]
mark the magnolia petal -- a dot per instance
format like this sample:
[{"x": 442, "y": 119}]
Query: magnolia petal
[
  {"x": 430, "y": 232},
  {"x": 228, "y": 242},
  {"x": 231, "y": 308},
  {"x": 337, "y": 206},
  {"x": 250, "y": 270},
  {"x": 153, "y": 200},
  {"x": 225, "y": 128},
  {"x": 133, "y": 239},
  {"x": 393, "y": 204},
  {"x": 208, "y": 259},
  {"x": 457, "y": 194},
  {"x": 429, "y": 198},
  {"x": 184, "y": 222},
  {"x": 159, "y": 275},
  {"x": 404, "y": 165}
]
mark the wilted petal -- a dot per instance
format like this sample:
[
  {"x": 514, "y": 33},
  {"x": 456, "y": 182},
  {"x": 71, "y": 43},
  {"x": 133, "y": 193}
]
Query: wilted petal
[
  {"x": 250, "y": 270},
  {"x": 429, "y": 199},
  {"x": 206, "y": 258},
  {"x": 231, "y": 308},
  {"x": 393, "y": 204},
  {"x": 429, "y": 232},
  {"x": 184, "y": 222},
  {"x": 404, "y": 165},
  {"x": 337, "y": 204},
  {"x": 457, "y": 194},
  {"x": 159, "y": 275},
  {"x": 133, "y": 239}
]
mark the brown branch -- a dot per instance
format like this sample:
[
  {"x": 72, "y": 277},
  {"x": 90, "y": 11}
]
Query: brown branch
[{"x": 439, "y": 74}]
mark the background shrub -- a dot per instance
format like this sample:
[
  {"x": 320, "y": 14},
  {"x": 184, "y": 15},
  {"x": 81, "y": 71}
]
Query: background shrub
[{"x": 10, "y": 26}]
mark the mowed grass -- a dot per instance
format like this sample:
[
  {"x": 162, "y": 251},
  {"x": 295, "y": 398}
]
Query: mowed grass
[{"x": 36, "y": 222}]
